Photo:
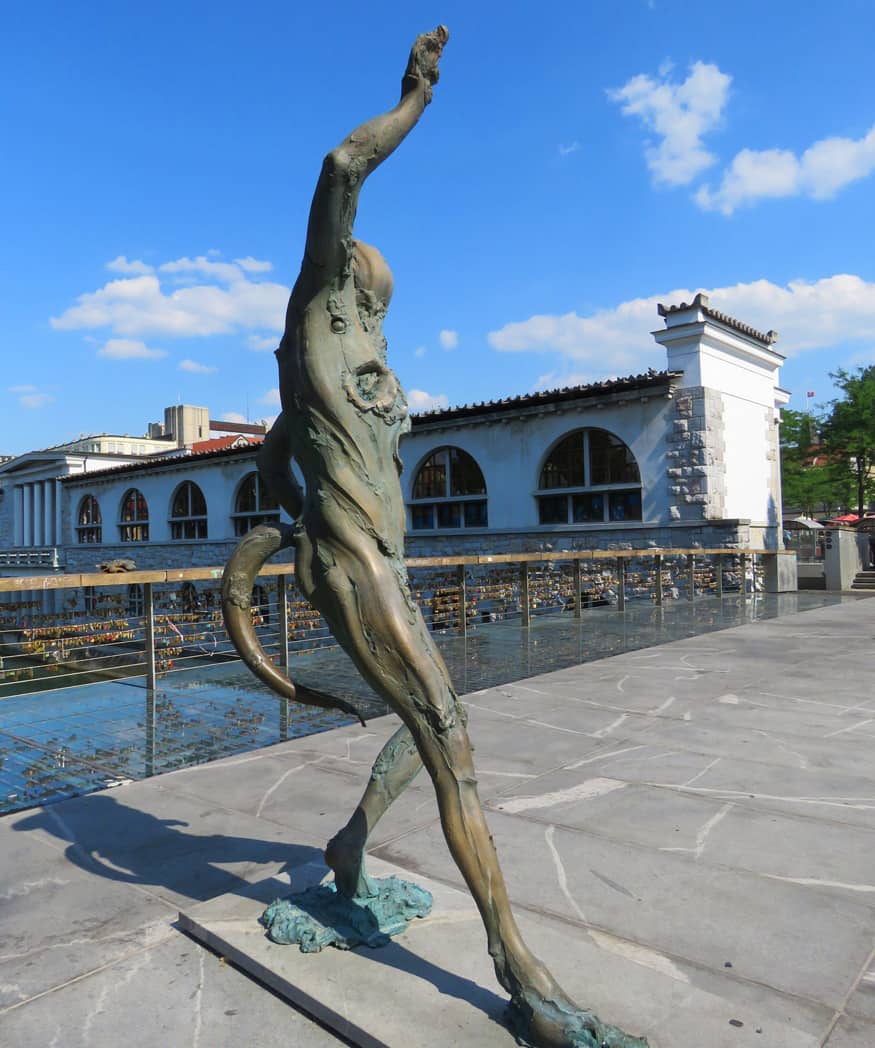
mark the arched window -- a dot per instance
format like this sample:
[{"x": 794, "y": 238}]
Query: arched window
[
  {"x": 448, "y": 492},
  {"x": 88, "y": 528},
  {"x": 188, "y": 512},
  {"x": 590, "y": 477},
  {"x": 134, "y": 523},
  {"x": 253, "y": 505}
]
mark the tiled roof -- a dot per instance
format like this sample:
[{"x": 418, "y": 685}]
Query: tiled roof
[
  {"x": 649, "y": 380},
  {"x": 217, "y": 443},
  {"x": 701, "y": 302}
]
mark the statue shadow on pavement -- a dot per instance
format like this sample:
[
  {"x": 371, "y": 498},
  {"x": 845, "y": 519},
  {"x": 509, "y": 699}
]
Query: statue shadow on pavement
[{"x": 106, "y": 838}]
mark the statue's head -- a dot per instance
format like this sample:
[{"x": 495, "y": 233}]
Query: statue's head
[{"x": 373, "y": 280}]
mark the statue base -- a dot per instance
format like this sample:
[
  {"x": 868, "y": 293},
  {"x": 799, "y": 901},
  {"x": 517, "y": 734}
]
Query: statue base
[
  {"x": 436, "y": 978},
  {"x": 321, "y": 916}
]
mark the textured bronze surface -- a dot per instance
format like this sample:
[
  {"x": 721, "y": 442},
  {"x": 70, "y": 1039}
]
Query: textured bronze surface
[{"x": 343, "y": 412}]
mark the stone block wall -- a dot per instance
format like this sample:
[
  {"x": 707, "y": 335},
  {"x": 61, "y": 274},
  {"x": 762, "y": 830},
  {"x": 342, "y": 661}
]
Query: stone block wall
[
  {"x": 724, "y": 534},
  {"x": 154, "y": 556},
  {"x": 696, "y": 448}
]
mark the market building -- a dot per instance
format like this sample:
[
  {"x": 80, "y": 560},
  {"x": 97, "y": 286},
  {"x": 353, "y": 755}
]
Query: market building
[{"x": 684, "y": 456}]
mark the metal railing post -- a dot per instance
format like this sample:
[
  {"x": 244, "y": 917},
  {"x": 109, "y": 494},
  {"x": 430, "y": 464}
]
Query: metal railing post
[
  {"x": 621, "y": 583},
  {"x": 691, "y": 576},
  {"x": 742, "y": 561},
  {"x": 525, "y": 618},
  {"x": 463, "y": 601},
  {"x": 576, "y": 583},
  {"x": 149, "y": 635},
  {"x": 657, "y": 561},
  {"x": 282, "y": 609},
  {"x": 150, "y": 747},
  {"x": 719, "y": 575}
]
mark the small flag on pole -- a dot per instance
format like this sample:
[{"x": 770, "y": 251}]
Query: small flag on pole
[{"x": 811, "y": 394}]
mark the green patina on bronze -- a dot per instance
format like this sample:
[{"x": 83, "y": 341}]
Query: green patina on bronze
[
  {"x": 321, "y": 916},
  {"x": 343, "y": 413}
]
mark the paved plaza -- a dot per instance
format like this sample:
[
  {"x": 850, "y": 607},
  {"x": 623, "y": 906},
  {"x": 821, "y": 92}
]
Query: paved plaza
[{"x": 688, "y": 833}]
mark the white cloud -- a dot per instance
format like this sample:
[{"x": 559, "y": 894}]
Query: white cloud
[
  {"x": 22, "y": 389},
  {"x": 679, "y": 114},
  {"x": 227, "y": 272},
  {"x": 195, "y": 368},
  {"x": 419, "y": 400},
  {"x": 420, "y": 351},
  {"x": 131, "y": 267},
  {"x": 807, "y": 315},
  {"x": 449, "y": 339},
  {"x": 139, "y": 305},
  {"x": 233, "y": 416},
  {"x": 261, "y": 343},
  {"x": 271, "y": 398},
  {"x": 129, "y": 349},
  {"x": 820, "y": 172},
  {"x": 254, "y": 265},
  {"x": 34, "y": 401},
  {"x": 567, "y": 150}
]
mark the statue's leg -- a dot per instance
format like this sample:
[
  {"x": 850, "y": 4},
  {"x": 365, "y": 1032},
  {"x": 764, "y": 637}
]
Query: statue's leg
[
  {"x": 371, "y": 616},
  {"x": 394, "y": 769},
  {"x": 541, "y": 1011}
]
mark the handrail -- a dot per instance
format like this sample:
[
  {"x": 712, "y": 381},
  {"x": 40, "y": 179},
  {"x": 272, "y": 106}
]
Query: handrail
[{"x": 125, "y": 578}]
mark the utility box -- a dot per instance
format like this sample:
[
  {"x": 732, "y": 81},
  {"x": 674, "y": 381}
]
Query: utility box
[{"x": 845, "y": 552}]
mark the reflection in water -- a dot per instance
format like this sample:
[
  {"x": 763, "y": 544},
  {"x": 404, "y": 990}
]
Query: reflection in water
[{"x": 75, "y": 740}]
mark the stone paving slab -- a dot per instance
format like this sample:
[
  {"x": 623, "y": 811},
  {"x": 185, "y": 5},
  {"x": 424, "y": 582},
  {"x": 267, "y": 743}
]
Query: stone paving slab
[
  {"x": 173, "y": 994},
  {"x": 434, "y": 985},
  {"x": 659, "y": 814}
]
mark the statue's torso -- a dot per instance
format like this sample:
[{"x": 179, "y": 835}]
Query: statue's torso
[{"x": 345, "y": 412}]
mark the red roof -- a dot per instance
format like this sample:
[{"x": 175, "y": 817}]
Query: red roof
[{"x": 234, "y": 440}]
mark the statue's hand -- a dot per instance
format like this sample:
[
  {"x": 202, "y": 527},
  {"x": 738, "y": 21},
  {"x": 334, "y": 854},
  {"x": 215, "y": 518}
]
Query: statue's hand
[{"x": 422, "y": 67}]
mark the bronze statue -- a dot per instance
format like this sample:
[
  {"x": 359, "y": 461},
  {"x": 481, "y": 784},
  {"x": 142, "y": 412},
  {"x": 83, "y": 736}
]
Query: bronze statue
[{"x": 343, "y": 412}]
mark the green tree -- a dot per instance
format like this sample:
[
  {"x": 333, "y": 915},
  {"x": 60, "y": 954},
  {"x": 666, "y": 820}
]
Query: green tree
[
  {"x": 809, "y": 481},
  {"x": 849, "y": 431}
]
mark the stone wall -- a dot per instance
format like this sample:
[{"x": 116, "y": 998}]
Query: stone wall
[
  {"x": 724, "y": 534},
  {"x": 148, "y": 556},
  {"x": 696, "y": 469}
]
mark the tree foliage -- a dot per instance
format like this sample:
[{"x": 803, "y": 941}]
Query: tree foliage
[
  {"x": 849, "y": 432},
  {"x": 811, "y": 480}
]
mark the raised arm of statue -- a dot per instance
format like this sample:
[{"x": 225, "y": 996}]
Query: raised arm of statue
[{"x": 332, "y": 214}]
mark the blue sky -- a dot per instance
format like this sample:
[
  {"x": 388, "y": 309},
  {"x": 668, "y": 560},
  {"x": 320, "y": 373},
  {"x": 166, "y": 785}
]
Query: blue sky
[{"x": 580, "y": 162}]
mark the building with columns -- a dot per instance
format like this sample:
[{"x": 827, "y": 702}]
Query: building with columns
[{"x": 682, "y": 456}]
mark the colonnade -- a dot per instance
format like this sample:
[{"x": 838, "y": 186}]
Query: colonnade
[{"x": 37, "y": 514}]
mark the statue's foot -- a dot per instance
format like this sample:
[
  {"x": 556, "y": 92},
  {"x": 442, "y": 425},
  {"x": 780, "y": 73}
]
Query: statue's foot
[
  {"x": 557, "y": 1022},
  {"x": 344, "y": 854}
]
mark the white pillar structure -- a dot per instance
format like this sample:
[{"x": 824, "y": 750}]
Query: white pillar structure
[
  {"x": 18, "y": 516},
  {"x": 27, "y": 515},
  {"x": 48, "y": 513},
  {"x": 39, "y": 514},
  {"x": 725, "y": 445},
  {"x": 58, "y": 539}
]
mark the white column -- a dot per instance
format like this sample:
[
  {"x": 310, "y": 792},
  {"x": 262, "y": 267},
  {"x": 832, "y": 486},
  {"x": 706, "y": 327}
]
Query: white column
[
  {"x": 39, "y": 514},
  {"x": 49, "y": 516},
  {"x": 17, "y": 516},
  {"x": 58, "y": 493},
  {"x": 27, "y": 516}
]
